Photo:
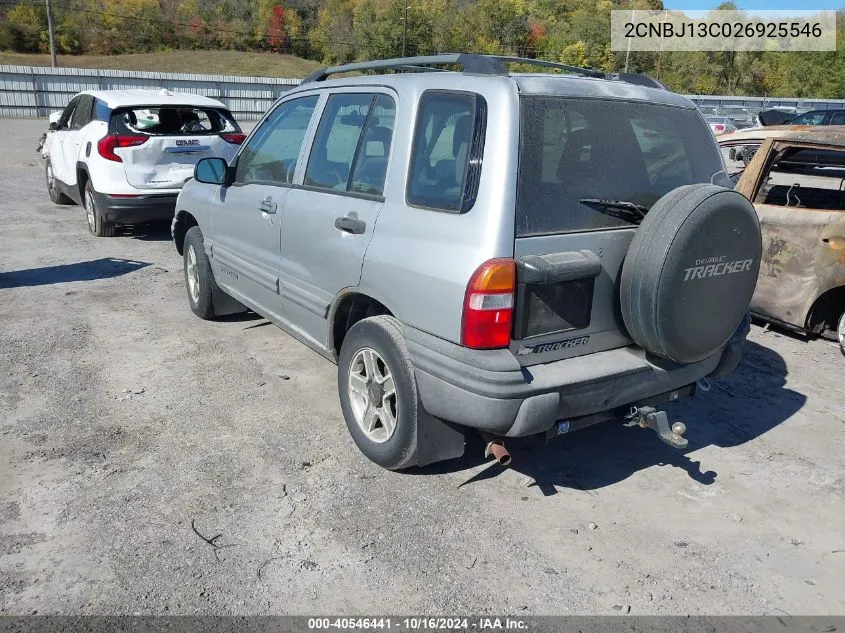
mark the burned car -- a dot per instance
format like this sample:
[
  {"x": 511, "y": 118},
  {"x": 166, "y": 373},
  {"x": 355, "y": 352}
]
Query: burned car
[
  {"x": 738, "y": 148},
  {"x": 795, "y": 182}
]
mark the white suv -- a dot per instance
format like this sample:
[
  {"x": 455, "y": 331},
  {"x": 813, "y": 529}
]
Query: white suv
[{"x": 125, "y": 154}]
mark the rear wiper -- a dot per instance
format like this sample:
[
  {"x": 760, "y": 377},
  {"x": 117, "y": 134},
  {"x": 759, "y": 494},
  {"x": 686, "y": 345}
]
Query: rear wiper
[{"x": 622, "y": 209}]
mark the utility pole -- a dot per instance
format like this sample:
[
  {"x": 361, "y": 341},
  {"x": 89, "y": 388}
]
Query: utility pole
[
  {"x": 628, "y": 52},
  {"x": 660, "y": 53},
  {"x": 404, "y": 30},
  {"x": 52, "y": 34}
]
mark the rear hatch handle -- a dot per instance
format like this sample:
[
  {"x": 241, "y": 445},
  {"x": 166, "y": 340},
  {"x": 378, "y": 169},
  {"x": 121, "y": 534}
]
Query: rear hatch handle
[{"x": 555, "y": 268}]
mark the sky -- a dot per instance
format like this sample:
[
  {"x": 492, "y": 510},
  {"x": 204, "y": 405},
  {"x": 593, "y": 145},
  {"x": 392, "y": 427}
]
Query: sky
[{"x": 804, "y": 5}]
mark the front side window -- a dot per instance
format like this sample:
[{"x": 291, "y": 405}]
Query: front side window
[
  {"x": 82, "y": 113},
  {"x": 578, "y": 149},
  {"x": 64, "y": 121},
  {"x": 271, "y": 154},
  {"x": 373, "y": 152},
  {"x": 449, "y": 132},
  {"x": 805, "y": 178}
]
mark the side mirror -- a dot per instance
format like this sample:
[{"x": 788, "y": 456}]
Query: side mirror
[
  {"x": 212, "y": 171},
  {"x": 54, "y": 125},
  {"x": 54, "y": 119}
]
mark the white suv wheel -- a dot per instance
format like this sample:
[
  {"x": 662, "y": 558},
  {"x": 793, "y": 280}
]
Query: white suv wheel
[{"x": 89, "y": 212}]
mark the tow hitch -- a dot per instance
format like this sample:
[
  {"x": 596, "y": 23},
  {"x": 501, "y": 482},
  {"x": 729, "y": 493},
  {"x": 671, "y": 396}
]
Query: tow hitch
[{"x": 651, "y": 418}]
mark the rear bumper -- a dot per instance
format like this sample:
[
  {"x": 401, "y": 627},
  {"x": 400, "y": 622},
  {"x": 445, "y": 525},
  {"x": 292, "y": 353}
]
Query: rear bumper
[
  {"x": 138, "y": 209},
  {"x": 489, "y": 390}
]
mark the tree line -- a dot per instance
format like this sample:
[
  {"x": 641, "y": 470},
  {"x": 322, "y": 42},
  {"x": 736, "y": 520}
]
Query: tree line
[{"x": 575, "y": 32}]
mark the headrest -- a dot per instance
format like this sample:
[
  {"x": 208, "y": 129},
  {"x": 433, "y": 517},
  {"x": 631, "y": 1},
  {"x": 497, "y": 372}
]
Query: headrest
[
  {"x": 462, "y": 134},
  {"x": 168, "y": 116},
  {"x": 381, "y": 135}
]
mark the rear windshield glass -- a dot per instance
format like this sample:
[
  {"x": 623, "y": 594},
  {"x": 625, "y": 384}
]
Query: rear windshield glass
[
  {"x": 572, "y": 149},
  {"x": 172, "y": 120}
]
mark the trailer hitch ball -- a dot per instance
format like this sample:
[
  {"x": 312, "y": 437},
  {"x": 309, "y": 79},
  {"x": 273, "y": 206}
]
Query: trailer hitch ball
[{"x": 651, "y": 418}]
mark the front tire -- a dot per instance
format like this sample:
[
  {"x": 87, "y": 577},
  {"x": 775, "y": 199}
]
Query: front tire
[
  {"x": 98, "y": 225},
  {"x": 199, "y": 280},
  {"x": 840, "y": 330},
  {"x": 56, "y": 196},
  {"x": 378, "y": 392}
]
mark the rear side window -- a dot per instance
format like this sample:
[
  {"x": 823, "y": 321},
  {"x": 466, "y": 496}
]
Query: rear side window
[
  {"x": 336, "y": 140},
  {"x": 837, "y": 118},
  {"x": 352, "y": 145},
  {"x": 573, "y": 149},
  {"x": 101, "y": 111},
  {"x": 447, "y": 152},
  {"x": 172, "y": 121}
]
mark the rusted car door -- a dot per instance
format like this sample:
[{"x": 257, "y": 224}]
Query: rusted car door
[{"x": 798, "y": 190}]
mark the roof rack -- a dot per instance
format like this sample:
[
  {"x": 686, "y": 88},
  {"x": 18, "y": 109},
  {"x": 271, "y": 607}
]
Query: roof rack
[{"x": 475, "y": 64}]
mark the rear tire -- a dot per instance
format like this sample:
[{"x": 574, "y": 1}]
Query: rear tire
[
  {"x": 97, "y": 223},
  {"x": 378, "y": 392},
  {"x": 199, "y": 280},
  {"x": 56, "y": 196}
]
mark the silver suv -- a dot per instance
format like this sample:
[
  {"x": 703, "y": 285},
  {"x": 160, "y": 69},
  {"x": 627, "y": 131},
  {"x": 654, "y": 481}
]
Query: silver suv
[{"x": 516, "y": 253}]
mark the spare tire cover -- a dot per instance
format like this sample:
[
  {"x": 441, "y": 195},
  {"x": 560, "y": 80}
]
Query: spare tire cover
[{"x": 690, "y": 272}]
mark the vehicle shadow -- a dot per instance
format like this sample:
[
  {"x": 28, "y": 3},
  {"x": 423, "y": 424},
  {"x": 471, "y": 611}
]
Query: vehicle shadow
[
  {"x": 780, "y": 330},
  {"x": 737, "y": 409},
  {"x": 148, "y": 232},
  {"x": 104, "y": 268}
]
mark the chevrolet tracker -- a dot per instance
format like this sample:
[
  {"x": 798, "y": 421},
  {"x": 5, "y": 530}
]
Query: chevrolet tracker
[{"x": 479, "y": 249}]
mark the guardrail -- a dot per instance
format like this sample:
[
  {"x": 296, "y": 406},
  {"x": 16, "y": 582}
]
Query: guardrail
[
  {"x": 763, "y": 103},
  {"x": 34, "y": 91}
]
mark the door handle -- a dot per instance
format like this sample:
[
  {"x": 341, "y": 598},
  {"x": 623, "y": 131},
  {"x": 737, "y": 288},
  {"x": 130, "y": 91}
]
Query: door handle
[
  {"x": 267, "y": 206},
  {"x": 350, "y": 225}
]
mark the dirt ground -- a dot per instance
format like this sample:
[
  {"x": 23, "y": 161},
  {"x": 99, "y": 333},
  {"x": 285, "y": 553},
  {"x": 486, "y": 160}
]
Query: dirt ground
[{"x": 131, "y": 432}]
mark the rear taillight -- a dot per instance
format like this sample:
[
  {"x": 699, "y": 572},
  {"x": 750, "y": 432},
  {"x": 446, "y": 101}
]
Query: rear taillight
[
  {"x": 107, "y": 144},
  {"x": 719, "y": 127},
  {"x": 235, "y": 138},
  {"x": 488, "y": 305}
]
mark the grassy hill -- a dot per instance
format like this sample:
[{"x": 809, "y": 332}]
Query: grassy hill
[{"x": 201, "y": 62}]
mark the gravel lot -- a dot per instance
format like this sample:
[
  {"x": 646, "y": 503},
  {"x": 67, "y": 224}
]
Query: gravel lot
[{"x": 125, "y": 422}]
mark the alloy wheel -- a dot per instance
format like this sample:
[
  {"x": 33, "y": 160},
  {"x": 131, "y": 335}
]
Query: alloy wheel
[
  {"x": 372, "y": 394},
  {"x": 90, "y": 212}
]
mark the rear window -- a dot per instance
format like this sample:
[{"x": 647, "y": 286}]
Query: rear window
[
  {"x": 172, "y": 121},
  {"x": 612, "y": 150}
]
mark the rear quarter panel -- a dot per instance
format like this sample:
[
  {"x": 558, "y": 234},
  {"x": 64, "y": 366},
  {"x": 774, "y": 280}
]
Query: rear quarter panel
[
  {"x": 798, "y": 265},
  {"x": 420, "y": 260}
]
